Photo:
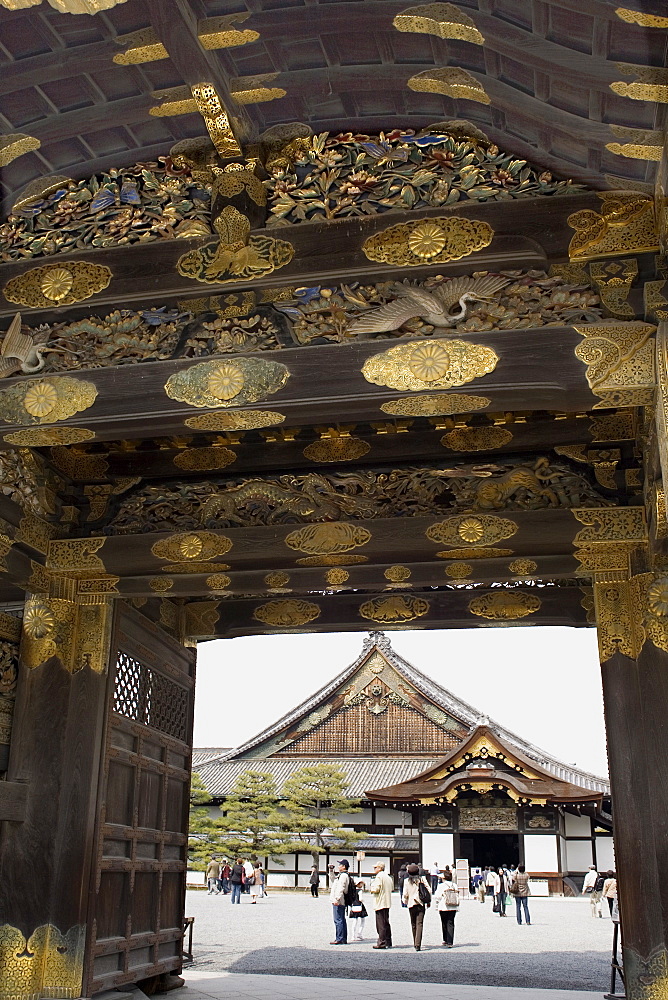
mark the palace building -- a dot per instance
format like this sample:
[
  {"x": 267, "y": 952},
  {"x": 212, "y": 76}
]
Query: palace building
[{"x": 436, "y": 781}]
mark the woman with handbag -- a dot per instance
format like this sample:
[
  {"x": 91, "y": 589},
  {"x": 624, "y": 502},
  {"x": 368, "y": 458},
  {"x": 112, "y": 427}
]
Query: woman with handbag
[
  {"x": 500, "y": 889},
  {"x": 519, "y": 888},
  {"x": 417, "y": 897},
  {"x": 357, "y": 912},
  {"x": 447, "y": 901}
]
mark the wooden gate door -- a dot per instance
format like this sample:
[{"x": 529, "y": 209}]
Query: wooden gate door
[{"x": 137, "y": 895}]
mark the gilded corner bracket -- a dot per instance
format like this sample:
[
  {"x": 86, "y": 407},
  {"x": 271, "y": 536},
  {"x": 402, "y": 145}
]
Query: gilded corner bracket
[{"x": 47, "y": 964}]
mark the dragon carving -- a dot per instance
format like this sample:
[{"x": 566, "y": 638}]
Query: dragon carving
[{"x": 362, "y": 494}]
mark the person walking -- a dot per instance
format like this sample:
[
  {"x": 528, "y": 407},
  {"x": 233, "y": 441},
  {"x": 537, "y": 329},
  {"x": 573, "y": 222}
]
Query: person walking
[
  {"x": 500, "y": 890},
  {"x": 401, "y": 878},
  {"x": 256, "y": 883},
  {"x": 237, "y": 876},
  {"x": 314, "y": 881},
  {"x": 490, "y": 878},
  {"x": 337, "y": 896},
  {"x": 225, "y": 873},
  {"x": 434, "y": 877},
  {"x": 381, "y": 890},
  {"x": 447, "y": 902},
  {"x": 417, "y": 897},
  {"x": 248, "y": 872},
  {"x": 589, "y": 889},
  {"x": 521, "y": 891},
  {"x": 212, "y": 876},
  {"x": 610, "y": 890}
]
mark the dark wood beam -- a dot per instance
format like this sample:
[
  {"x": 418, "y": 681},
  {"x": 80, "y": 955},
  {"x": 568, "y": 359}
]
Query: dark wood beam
[
  {"x": 13, "y": 799},
  {"x": 349, "y": 612},
  {"x": 527, "y": 234},
  {"x": 175, "y": 24}
]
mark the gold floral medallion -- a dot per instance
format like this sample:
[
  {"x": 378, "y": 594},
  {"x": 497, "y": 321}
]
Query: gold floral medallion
[
  {"x": 189, "y": 545},
  {"x": 213, "y": 384},
  {"x": 657, "y": 597},
  {"x": 218, "y": 581},
  {"x": 471, "y": 529},
  {"x": 336, "y": 449},
  {"x": 476, "y": 438},
  {"x": 335, "y": 577},
  {"x": 434, "y": 240},
  {"x": 326, "y": 539},
  {"x": 523, "y": 567},
  {"x": 459, "y": 570},
  {"x": 40, "y": 287},
  {"x": 46, "y": 437},
  {"x": 485, "y": 528},
  {"x": 45, "y": 400},
  {"x": 241, "y": 420},
  {"x": 504, "y": 605},
  {"x": 395, "y": 609},
  {"x": 430, "y": 364},
  {"x": 276, "y": 580},
  {"x": 435, "y": 406},
  {"x": 161, "y": 584},
  {"x": 287, "y": 613},
  {"x": 38, "y": 621},
  {"x": 397, "y": 574}
]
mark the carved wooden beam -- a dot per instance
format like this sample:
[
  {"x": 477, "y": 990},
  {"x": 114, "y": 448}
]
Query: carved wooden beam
[
  {"x": 542, "y": 369},
  {"x": 524, "y": 234}
]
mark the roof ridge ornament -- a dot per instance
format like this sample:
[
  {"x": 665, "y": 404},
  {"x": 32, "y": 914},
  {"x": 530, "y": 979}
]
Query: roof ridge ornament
[{"x": 378, "y": 639}]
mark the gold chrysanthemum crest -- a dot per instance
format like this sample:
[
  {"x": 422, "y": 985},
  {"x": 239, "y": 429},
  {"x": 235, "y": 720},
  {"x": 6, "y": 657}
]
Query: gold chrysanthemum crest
[
  {"x": 214, "y": 384},
  {"x": 63, "y": 284},
  {"x": 45, "y": 400},
  {"x": 435, "y": 241},
  {"x": 430, "y": 365},
  {"x": 485, "y": 529},
  {"x": 188, "y": 545}
]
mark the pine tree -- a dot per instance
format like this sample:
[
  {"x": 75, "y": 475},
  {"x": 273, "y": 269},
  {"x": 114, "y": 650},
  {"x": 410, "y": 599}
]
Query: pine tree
[
  {"x": 312, "y": 799},
  {"x": 203, "y": 829},
  {"x": 251, "y": 824}
]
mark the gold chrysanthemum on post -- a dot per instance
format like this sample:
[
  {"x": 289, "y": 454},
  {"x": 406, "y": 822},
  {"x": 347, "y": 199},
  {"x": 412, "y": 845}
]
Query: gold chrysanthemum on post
[
  {"x": 226, "y": 382},
  {"x": 471, "y": 529},
  {"x": 426, "y": 240},
  {"x": 38, "y": 621},
  {"x": 40, "y": 399},
  {"x": 56, "y": 283},
  {"x": 657, "y": 597},
  {"x": 190, "y": 546},
  {"x": 429, "y": 362}
]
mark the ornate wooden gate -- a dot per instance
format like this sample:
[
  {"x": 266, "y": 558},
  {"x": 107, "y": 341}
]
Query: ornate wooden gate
[{"x": 137, "y": 893}]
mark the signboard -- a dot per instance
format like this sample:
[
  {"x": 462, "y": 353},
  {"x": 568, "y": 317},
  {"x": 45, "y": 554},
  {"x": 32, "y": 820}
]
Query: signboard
[{"x": 360, "y": 856}]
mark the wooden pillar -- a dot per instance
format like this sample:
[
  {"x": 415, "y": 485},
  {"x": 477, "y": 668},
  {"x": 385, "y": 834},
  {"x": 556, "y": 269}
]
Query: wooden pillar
[
  {"x": 632, "y": 620},
  {"x": 55, "y": 753}
]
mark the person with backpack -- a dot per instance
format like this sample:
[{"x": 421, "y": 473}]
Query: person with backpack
[
  {"x": 447, "y": 902},
  {"x": 417, "y": 897},
  {"x": 597, "y": 896},
  {"x": 343, "y": 893}
]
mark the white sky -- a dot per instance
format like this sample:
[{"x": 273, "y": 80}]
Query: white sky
[{"x": 542, "y": 683}]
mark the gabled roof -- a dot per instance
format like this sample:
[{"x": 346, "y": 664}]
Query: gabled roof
[
  {"x": 263, "y": 745},
  {"x": 486, "y": 760}
]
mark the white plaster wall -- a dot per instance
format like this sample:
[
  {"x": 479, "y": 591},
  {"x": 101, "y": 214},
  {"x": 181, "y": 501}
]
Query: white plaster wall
[
  {"x": 438, "y": 847},
  {"x": 577, "y": 826},
  {"x": 540, "y": 853},
  {"x": 579, "y": 855},
  {"x": 605, "y": 854},
  {"x": 392, "y": 817},
  {"x": 351, "y": 819}
]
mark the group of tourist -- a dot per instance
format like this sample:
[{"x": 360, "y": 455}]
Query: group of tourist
[
  {"x": 223, "y": 879},
  {"x": 501, "y": 884},
  {"x": 599, "y": 886},
  {"x": 417, "y": 889}
]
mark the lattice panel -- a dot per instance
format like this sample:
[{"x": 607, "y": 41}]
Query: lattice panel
[{"x": 150, "y": 698}]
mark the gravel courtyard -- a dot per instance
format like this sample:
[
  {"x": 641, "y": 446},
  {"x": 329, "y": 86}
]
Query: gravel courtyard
[{"x": 288, "y": 934}]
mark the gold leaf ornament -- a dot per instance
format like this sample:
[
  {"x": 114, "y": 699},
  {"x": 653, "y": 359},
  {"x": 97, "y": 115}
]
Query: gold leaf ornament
[
  {"x": 42, "y": 286},
  {"x": 434, "y": 240},
  {"x": 443, "y": 404},
  {"x": 504, "y": 606},
  {"x": 485, "y": 528},
  {"x": 430, "y": 365},
  {"x": 444, "y": 20},
  {"x": 46, "y": 437},
  {"x": 335, "y": 577},
  {"x": 243, "y": 420},
  {"x": 327, "y": 539},
  {"x": 657, "y": 597},
  {"x": 188, "y": 545},
  {"x": 476, "y": 438},
  {"x": 523, "y": 567},
  {"x": 287, "y": 613},
  {"x": 395, "y": 609},
  {"x": 397, "y": 574},
  {"x": 38, "y": 621},
  {"x": 47, "y": 400},
  {"x": 216, "y": 384}
]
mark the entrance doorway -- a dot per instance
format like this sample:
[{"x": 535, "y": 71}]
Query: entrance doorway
[{"x": 490, "y": 849}]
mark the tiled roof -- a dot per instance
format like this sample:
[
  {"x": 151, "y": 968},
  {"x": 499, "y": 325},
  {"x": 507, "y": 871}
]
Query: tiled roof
[
  {"x": 219, "y": 775},
  {"x": 203, "y": 754},
  {"x": 442, "y": 698}
]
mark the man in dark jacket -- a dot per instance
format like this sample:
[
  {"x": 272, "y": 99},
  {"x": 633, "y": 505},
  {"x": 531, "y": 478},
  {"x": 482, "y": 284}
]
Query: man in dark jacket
[{"x": 236, "y": 879}]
